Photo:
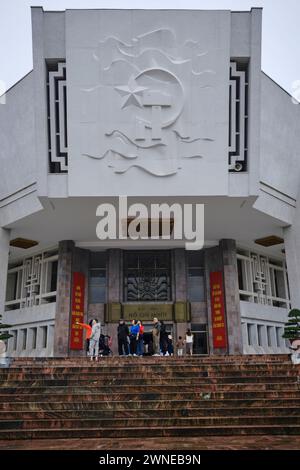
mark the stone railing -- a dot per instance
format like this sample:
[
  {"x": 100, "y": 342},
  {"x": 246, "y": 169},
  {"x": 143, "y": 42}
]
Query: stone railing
[
  {"x": 32, "y": 331},
  {"x": 262, "y": 329}
]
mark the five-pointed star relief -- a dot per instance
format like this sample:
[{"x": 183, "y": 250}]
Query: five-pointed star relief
[{"x": 132, "y": 93}]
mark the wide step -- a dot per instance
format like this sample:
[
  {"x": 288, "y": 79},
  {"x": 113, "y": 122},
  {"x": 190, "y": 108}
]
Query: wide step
[{"x": 145, "y": 397}]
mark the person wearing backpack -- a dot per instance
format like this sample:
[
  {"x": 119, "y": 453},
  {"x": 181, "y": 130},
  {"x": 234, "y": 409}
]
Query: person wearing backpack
[
  {"x": 123, "y": 334},
  {"x": 163, "y": 339},
  {"x": 156, "y": 337}
]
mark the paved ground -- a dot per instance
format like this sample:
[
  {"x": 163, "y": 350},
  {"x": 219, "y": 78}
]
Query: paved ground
[{"x": 192, "y": 443}]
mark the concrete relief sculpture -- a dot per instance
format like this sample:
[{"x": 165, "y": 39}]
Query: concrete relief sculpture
[{"x": 141, "y": 107}]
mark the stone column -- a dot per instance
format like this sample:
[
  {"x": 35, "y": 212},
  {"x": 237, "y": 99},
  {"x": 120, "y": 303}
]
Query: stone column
[
  {"x": 114, "y": 290},
  {"x": 223, "y": 258},
  {"x": 232, "y": 296},
  {"x": 114, "y": 284},
  {"x": 63, "y": 298},
  {"x": 180, "y": 286},
  {"x": 4, "y": 252},
  {"x": 292, "y": 253}
]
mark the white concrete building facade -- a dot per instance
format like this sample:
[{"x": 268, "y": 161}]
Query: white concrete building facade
[{"x": 162, "y": 107}]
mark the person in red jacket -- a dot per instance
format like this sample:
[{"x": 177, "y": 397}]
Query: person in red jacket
[
  {"x": 140, "y": 339},
  {"x": 88, "y": 329}
]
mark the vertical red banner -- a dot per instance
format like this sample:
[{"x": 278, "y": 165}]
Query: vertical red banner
[
  {"x": 77, "y": 313},
  {"x": 218, "y": 310}
]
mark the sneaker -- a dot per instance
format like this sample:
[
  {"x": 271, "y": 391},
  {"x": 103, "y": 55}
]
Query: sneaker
[
  {"x": 167, "y": 354},
  {"x": 135, "y": 355}
]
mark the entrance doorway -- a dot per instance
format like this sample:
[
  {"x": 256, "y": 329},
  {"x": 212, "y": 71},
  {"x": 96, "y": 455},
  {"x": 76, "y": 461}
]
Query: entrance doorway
[{"x": 200, "y": 345}]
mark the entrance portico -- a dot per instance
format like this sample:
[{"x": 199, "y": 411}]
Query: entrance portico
[{"x": 143, "y": 284}]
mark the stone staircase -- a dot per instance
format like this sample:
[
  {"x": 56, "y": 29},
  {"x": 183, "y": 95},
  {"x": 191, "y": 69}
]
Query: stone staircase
[{"x": 149, "y": 397}]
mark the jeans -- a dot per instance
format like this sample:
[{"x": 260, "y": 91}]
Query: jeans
[
  {"x": 94, "y": 347},
  {"x": 156, "y": 348},
  {"x": 164, "y": 344},
  {"x": 140, "y": 347},
  {"x": 133, "y": 344},
  {"x": 123, "y": 347}
]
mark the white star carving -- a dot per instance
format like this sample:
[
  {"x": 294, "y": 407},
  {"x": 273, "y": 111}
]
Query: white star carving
[{"x": 132, "y": 93}]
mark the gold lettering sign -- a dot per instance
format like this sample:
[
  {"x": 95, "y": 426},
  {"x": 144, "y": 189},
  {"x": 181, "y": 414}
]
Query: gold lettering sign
[{"x": 146, "y": 312}]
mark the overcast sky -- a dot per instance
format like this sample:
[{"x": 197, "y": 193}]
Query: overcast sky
[{"x": 280, "y": 35}]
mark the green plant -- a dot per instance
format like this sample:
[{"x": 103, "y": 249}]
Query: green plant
[
  {"x": 292, "y": 327},
  {"x": 4, "y": 335}
]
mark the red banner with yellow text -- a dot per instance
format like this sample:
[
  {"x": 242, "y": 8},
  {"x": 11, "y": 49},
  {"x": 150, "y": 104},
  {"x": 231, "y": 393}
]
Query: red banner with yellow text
[
  {"x": 218, "y": 310},
  {"x": 77, "y": 314}
]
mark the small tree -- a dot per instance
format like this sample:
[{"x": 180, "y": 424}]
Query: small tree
[
  {"x": 4, "y": 335},
  {"x": 292, "y": 327}
]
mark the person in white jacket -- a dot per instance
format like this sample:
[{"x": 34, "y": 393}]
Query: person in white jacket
[
  {"x": 94, "y": 340},
  {"x": 295, "y": 357}
]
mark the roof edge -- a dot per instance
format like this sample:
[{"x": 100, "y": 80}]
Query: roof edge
[{"x": 16, "y": 83}]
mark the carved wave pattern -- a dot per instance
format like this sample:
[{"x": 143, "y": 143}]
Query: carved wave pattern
[
  {"x": 147, "y": 276},
  {"x": 147, "y": 286}
]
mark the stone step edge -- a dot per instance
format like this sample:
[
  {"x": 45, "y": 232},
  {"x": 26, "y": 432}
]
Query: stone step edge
[
  {"x": 137, "y": 360},
  {"x": 146, "y": 386},
  {"x": 93, "y": 391},
  {"x": 170, "y": 377},
  {"x": 147, "y": 418},
  {"x": 145, "y": 410},
  {"x": 130, "y": 381},
  {"x": 267, "y": 400},
  {"x": 246, "y": 426}
]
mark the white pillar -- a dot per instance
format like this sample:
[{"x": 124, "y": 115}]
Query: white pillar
[
  {"x": 4, "y": 251},
  {"x": 292, "y": 253}
]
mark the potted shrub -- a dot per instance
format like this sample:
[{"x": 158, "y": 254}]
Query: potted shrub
[{"x": 292, "y": 333}]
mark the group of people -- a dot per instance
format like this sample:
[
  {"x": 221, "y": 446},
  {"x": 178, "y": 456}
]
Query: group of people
[
  {"x": 96, "y": 343},
  {"x": 132, "y": 341}
]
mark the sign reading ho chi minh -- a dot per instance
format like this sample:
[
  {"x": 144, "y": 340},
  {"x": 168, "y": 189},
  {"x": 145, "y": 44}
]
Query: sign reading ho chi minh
[
  {"x": 218, "y": 310},
  {"x": 77, "y": 313},
  {"x": 146, "y": 312}
]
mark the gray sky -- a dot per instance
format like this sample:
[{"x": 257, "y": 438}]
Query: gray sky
[{"x": 280, "y": 35}]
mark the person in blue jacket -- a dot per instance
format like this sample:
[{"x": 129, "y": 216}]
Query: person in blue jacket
[{"x": 134, "y": 331}]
